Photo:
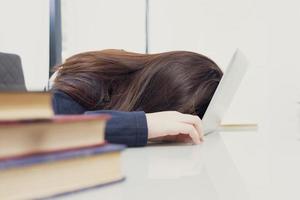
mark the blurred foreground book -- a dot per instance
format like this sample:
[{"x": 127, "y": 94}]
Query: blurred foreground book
[
  {"x": 42, "y": 155},
  {"x": 37, "y": 136},
  {"x": 25, "y": 105},
  {"x": 59, "y": 173}
]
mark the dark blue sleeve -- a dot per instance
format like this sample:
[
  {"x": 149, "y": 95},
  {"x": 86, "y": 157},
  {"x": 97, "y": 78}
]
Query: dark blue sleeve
[
  {"x": 63, "y": 104},
  {"x": 129, "y": 128}
]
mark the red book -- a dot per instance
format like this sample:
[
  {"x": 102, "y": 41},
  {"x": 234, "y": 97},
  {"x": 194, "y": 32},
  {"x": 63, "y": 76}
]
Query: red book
[{"x": 19, "y": 138}]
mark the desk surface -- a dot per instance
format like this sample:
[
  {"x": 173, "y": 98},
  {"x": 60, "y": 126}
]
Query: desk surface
[
  {"x": 262, "y": 164},
  {"x": 228, "y": 165},
  {"x": 175, "y": 172}
]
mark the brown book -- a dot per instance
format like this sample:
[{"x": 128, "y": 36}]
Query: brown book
[
  {"x": 60, "y": 173},
  {"x": 28, "y": 137},
  {"x": 24, "y": 105}
]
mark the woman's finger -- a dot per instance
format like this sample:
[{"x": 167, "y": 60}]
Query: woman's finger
[
  {"x": 191, "y": 131},
  {"x": 193, "y": 120}
]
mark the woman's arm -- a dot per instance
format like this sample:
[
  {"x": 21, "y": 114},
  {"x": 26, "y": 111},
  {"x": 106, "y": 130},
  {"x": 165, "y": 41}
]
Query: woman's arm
[
  {"x": 63, "y": 104},
  {"x": 128, "y": 128},
  {"x": 135, "y": 128}
]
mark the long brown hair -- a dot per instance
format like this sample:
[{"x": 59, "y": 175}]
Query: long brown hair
[{"x": 119, "y": 80}]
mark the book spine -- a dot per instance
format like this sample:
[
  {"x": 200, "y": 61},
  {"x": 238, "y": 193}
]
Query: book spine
[{"x": 50, "y": 157}]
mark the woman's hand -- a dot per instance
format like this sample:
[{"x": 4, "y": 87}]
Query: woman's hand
[{"x": 173, "y": 126}]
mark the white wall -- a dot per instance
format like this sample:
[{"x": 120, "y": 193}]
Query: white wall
[
  {"x": 267, "y": 31},
  {"x": 102, "y": 24},
  {"x": 24, "y": 30}
]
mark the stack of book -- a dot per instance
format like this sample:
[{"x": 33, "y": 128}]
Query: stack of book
[{"x": 42, "y": 155}]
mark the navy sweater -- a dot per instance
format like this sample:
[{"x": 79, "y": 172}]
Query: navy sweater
[{"x": 129, "y": 128}]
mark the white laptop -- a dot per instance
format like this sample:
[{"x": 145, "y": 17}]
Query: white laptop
[{"x": 225, "y": 92}]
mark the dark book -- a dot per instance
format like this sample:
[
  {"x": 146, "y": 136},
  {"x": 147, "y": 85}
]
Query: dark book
[{"x": 58, "y": 173}]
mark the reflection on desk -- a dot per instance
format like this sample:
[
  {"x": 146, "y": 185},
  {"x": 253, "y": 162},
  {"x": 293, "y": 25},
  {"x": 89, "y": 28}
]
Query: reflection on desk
[{"x": 203, "y": 171}]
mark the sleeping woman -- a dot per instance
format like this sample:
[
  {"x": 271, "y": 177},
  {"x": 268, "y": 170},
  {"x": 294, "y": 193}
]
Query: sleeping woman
[{"x": 151, "y": 97}]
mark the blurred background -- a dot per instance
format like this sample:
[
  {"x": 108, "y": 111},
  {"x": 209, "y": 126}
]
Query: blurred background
[{"x": 46, "y": 32}]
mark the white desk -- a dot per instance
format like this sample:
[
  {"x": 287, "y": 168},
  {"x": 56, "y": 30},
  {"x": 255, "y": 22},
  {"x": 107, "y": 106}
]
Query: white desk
[
  {"x": 259, "y": 165},
  {"x": 227, "y": 166},
  {"x": 175, "y": 172}
]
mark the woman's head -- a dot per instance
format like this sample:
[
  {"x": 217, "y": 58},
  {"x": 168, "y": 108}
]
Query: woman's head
[{"x": 114, "y": 79}]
